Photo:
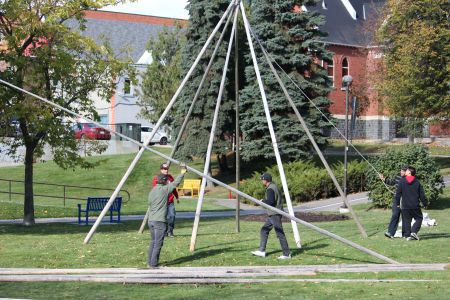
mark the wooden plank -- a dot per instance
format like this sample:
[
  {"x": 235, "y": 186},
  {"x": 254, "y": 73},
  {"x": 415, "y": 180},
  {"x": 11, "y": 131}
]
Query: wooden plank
[
  {"x": 86, "y": 278},
  {"x": 268, "y": 270}
]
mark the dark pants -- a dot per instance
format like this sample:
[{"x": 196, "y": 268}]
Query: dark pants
[
  {"x": 170, "y": 217},
  {"x": 407, "y": 216},
  {"x": 273, "y": 222},
  {"x": 393, "y": 224},
  {"x": 157, "y": 233}
]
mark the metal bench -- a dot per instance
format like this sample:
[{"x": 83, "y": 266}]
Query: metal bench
[
  {"x": 98, "y": 204},
  {"x": 190, "y": 184}
]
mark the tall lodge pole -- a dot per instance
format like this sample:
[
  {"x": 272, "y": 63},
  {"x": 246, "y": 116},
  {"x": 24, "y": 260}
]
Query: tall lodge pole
[
  {"x": 271, "y": 130},
  {"x": 158, "y": 124},
  {"x": 256, "y": 201},
  {"x": 211, "y": 138},
  {"x": 237, "y": 135},
  {"x": 191, "y": 108}
]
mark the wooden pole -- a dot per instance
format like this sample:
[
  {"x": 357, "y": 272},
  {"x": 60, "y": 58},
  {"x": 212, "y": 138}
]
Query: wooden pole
[
  {"x": 158, "y": 124},
  {"x": 271, "y": 130},
  {"x": 211, "y": 137},
  {"x": 231, "y": 189},
  {"x": 237, "y": 143},
  {"x": 316, "y": 147},
  {"x": 191, "y": 108}
]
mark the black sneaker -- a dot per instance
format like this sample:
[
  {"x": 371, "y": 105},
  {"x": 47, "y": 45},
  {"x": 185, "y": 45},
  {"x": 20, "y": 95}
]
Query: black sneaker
[
  {"x": 415, "y": 236},
  {"x": 388, "y": 235}
]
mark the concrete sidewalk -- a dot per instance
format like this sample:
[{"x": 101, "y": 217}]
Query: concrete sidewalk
[{"x": 325, "y": 205}]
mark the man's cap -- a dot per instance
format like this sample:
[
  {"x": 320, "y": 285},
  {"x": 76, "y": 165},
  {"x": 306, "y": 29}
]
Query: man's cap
[
  {"x": 164, "y": 166},
  {"x": 266, "y": 176},
  {"x": 162, "y": 178}
]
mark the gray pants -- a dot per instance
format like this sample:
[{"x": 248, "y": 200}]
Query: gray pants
[
  {"x": 274, "y": 222},
  {"x": 157, "y": 233}
]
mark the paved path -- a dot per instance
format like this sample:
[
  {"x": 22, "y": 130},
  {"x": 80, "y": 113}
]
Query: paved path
[{"x": 326, "y": 205}]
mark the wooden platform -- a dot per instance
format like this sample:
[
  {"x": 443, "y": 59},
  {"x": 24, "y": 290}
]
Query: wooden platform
[{"x": 180, "y": 275}]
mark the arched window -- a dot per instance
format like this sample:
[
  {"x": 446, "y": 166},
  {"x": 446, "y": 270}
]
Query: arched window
[{"x": 345, "y": 67}]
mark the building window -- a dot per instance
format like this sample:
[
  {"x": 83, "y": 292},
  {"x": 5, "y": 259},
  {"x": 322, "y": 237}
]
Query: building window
[
  {"x": 104, "y": 119},
  {"x": 330, "y": 70},
  {"x": 127, "y": 87},
  {"x": 345, "y": 67}
]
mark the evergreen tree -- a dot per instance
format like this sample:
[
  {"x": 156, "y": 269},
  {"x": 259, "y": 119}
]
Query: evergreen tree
[
  {"x": 292, "y": 39},
  {"x": 204, "y": 16}
]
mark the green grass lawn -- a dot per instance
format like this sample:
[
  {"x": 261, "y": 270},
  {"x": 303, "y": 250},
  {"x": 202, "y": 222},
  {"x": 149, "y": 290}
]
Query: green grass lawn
[
  {"x": 106, "y": 175},
  {"x": 60, "y": 246}
]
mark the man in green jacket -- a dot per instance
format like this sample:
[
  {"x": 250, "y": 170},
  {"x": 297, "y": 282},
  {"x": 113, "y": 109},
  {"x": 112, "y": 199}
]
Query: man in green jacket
[
  {"x": 157, "y": 220},
  {"x": 273, "y": 198}
]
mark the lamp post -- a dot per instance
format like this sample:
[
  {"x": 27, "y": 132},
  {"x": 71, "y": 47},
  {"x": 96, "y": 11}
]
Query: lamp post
[{"x": 346, "y": 82}]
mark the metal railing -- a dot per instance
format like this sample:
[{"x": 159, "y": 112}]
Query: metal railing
[{"x": 65, "y": 188}]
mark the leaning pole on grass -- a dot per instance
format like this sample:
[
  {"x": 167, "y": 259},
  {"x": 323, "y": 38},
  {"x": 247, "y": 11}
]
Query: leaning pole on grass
[
  {"x": 311, "y": 138},
  {"x": 211, "y": 136},
  {"x": 260, "y": 203},
  {"x": 161, "y": 119},
  {"x": 271, "y": 130},
  {"x": 191, "y": 108}
]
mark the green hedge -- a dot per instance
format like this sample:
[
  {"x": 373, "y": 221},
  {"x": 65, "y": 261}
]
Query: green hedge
[
  {"x": 308, "y": 182},
  {"x": 389, "y": 165}
]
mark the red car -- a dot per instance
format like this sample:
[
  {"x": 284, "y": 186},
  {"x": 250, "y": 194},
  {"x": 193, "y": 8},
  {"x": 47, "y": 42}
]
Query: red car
[{"x": 91, "y": 131}]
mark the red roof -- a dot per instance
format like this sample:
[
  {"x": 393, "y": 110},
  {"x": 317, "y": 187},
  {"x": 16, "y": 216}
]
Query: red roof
[{"x": 134, "y": 18}]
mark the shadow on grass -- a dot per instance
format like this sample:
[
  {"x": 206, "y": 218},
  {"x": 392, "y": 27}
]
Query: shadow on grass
[
  {"x": 440, "y": 204},
  {"x": 227, "y": 243},
  {"x": 430, "y": 236},
  {"x": 199, "y": 255}
]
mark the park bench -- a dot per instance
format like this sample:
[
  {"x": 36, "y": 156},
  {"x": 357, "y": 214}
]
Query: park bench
[
  {"x": 192, "y": 185},
  {"x": 97, "y": 204}
]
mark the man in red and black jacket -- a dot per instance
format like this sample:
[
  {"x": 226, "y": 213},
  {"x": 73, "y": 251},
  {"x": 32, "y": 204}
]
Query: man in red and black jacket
[
  {"x": 164, "y": 169},
  {"x": 411, "y": 191}
]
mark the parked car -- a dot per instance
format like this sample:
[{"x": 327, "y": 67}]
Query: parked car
[
  {"x": 90, "y": 131},
  {"x": 159, "y": 138}
]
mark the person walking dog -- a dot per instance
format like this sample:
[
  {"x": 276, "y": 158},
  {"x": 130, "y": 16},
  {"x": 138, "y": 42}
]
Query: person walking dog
[
  {"x": 157, "y": 220},
  {"x": 273, "y": 198}
]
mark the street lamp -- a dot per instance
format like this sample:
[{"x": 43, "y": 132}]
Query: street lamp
[{"x": 346, "y": 82}]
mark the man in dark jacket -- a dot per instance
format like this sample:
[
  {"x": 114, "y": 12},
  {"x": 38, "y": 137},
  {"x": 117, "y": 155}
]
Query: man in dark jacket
[
  {"x": 157, "y": 220},
  {"x": 171, "y": 213},
  {"x": 411, "y": 191},
  {"x": 396, "y": 211},
  {"x": 273, "y": 198}
]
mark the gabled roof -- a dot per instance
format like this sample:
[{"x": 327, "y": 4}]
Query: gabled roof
[
  {"x": 127, "y": 34},
  {"x": 347, "y": 22}
]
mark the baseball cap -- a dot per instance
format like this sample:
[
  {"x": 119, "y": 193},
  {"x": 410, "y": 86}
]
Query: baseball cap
[
  {"x": 164, "y": 166},
  {"x": 266, "y": 176}
]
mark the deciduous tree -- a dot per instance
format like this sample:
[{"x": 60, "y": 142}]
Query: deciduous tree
[{"x": 43, "y": 55}]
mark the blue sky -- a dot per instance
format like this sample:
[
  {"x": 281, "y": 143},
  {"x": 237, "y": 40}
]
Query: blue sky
[{"x": 160, "y": 8}]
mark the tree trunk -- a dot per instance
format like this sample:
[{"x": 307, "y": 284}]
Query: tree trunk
[{"x": 28, "y": 207}]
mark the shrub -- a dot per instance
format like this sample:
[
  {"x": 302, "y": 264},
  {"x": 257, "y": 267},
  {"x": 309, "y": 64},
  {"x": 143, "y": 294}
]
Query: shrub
[
  {"x": 307, "y": 181},
  {"x": 389, "y": 165}
]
